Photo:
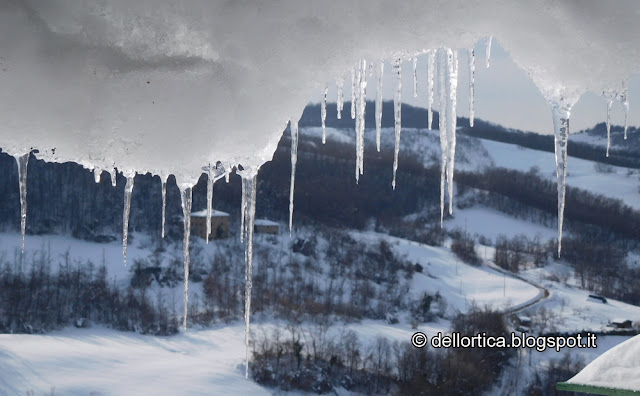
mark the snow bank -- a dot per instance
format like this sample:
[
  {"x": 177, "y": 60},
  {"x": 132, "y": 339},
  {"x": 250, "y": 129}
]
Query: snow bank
[
  {"x": 168, "y": 87},
  {"x": 616, "y": 368}
]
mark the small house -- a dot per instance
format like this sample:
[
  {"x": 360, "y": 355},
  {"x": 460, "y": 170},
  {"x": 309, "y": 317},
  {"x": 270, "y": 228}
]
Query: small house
[
  {"x": 524, "y": 321},
  {"x": 621, "y": 323},
  {"x": 264, "y": 226},
  {"x": 219, "y": 224}
]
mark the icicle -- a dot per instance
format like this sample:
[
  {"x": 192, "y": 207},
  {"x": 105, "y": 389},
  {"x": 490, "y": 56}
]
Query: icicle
[
  {"x": 379, "y": 104},
  {"x": 323, "y": 114},
  {"x": 294, "y": 160},
  {"x": 431, "y": 75},
  {"x": 489, "y": 40},
  {"x": 163, "y": 180},
  {"x": 186, "y": 195},
  {"x": 472, "y": 89},
  {"x": 609, "y": 104},
  {"x": 360, "y": 109},
  {"x": 397, "y": 111},
  {"x": 561, "y": 115},
  {"x": 249, "y": 185},
  {"x": 340, "y": 100},
  {"x": 356, "y": 105},
  {"x": 96, "y": 174},
  {"x": 243, "y": 211},
  {"x": 452, "y": 60},
  {"x": 354, "y": 87},
  {"x": 114, "y": 177},
  {"x": 622, "y": 97},
  {"x": 210, "y": 181},
  {"x": 128, "y": 189},
  {"x": 442, "y": 126},
  {"x": 415, "y": 77},
  {"x": 228, "y": 169},
  {"x": 370, "y": 69},
  {"x": 22, "y": 162}
]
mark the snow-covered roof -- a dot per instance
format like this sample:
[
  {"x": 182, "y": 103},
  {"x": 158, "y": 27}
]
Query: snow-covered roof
[
  {"x": 265, "y": 222},
  {"x": 214, "y": 213},
  {"x": 620, "y": 320},
  {"x": 616, "y": 368}
]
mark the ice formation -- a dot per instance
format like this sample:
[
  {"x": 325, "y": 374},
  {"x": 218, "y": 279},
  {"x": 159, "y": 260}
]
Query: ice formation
[
  {"x": 472, "y": 82},
  {"x": 431, "y": 62},
  {"x": 442, "y": 126},
  {"x": 622, "y": 97},
  {"x": 293, "y": 125},
  {"x": 210, "y": 182},
  {"x": 452, "y": 118},
  {"x": 323, "y": 114},
  {"x": 397, "y": 113},
  {"x": 354, "y": 89},
  {"x": 488, "y": 54},
  {"x": 97, "y": 172},
  {"x": 609, "y": 97},
  {"x": 23, "y": 161},
  {"x": 128, "y": 190},
  {"x": 561, "y": 112},
  {"x": 249, "y": 186},
  {"x": 340, "y": 98},
  {"x": 186, "y": 197},
  {"x": 163, "y": 181},
  {"x": 415, "y": 77},
  {"x": 360, "y": 106},
  {"x": 379, "y": 104}
]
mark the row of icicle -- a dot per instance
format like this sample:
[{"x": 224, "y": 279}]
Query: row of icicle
[{"x": 441, "y": 64}]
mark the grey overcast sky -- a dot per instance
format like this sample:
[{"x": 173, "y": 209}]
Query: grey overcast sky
[{"x": 504, "y": 94}]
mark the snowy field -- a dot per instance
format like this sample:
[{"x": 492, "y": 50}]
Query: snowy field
[
  {"x": 460, "y": 283},
  {"x": 492, "y": 223},
  {"x": 101, "y": 361},
  {"x": 621, "y": 183}
]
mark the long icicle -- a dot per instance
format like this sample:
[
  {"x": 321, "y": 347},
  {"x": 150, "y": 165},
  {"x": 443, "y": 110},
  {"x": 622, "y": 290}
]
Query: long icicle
[
  {"x": 128, "y": 189},
  {"x": 323, "y": 114},
  {"x": 609, "y": 104},
  {"x": 340, "y": 98},
  {"x": 361, "y": 110},
  {"x": 210, "y": 181},
  {"x": 379, "y": 104},
  {"x": 442, "y": 126},
  {"x": 452, "y": 59},
  {"x": 249, "y": 183},
  {"x": 23, "y": 161},
  {"x": 354, "y": 84},
  {"x": 186, "y": 196},
  {"x": 488, "y": 53},
  {"x": 356, "y": 105},
  {"x": 472, "y": 88},
  {"x": 397, "y": 112},
  {"x": 415, "y": 77},
  {"x": 294, "y": 160},
  {"x": 430, "y": 83},
  {"x": 163, "y": 181},
  {"x": 243, "y": 211},
  {"x": 561, "y": 114}
]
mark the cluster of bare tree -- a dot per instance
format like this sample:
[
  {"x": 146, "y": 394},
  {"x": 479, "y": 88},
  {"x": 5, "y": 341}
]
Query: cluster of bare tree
[
  {"x": 316, "y": 358},
  {"x": 341, "y": 277},
  {"x": 39, "y": 293}
]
